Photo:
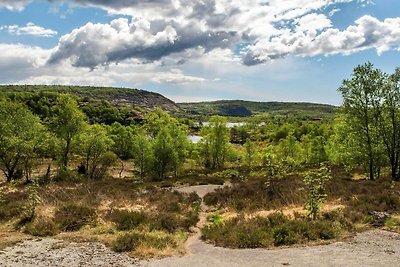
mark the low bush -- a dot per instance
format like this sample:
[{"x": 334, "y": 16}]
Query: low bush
[
  {"x": 41, "y": 226},
  {"x": 276, "y": 229},
  {"x": 73, "y": 217},
  {"x": 130, "y": 241},
  {"x": 127, "y": 220}
]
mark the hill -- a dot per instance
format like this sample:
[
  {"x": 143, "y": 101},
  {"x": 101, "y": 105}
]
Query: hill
[
  {"x": 240, "y": 108},
  {"x": 116, "y": 96}
]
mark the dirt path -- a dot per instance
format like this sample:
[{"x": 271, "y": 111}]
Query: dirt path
[
  {"x": 193, "y": 244},
  {"x": 373, "y": 248}
]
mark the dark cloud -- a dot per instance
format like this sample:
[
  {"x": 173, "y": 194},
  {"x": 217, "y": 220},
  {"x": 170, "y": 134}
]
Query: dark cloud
[{"x": 102, "y": 44}]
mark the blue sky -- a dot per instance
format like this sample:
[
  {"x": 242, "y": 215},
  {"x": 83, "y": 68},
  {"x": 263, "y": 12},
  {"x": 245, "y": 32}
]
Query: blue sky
[{"x": 272, "y": 50}]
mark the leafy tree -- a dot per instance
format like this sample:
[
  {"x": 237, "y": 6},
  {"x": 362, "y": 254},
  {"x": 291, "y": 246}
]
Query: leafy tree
[
  {"x": 318, "y": 154},
  {"x": 180, "y": 145},
  {"x": 343, "y": 145},
  {"x": 216, "y": 142},
  {"x": 22, "y": 137},
  {"x": 67, "y": 123},
  {"x": 361, "y": 96},
  {"x": 389, "y": 121},
  {"x": 164, "y": 154},
  {"x": 250, "y": 148},
  {"x": 306, "y": 146},
  {"x": 156, "y": 120},
  {"x": 315, "y": 186},
  {"x": 95, "y": 143},
  {"x": 142, "y": 152},
  {"x": 123, "y": 139}
]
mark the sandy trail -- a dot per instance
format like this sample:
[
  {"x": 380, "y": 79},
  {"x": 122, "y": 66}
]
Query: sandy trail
[{"x": 373, "y": 248}]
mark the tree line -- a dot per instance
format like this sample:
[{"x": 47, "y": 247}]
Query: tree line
[{"x": 364, "y": 134}]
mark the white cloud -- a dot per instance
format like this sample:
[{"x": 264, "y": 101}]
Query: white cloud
[
  {"x": 30, "y": 29},
  {"x": 367, "y": 33},
  {"x": 173, "y": 32},
  {"x": 14, "y": 4}
]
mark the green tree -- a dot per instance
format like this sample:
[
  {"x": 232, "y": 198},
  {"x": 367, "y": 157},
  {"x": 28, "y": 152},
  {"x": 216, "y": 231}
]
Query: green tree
[
  {"x": 180, "y": 145},
  {"x": 95, "y": 143},
  {"x": 215, "y": 142},
  {"x": 164, "y": 154},
  {"x": 22, "y": 138},
  {"x": 123, "y": 138},
  {"x": 251, "y": 152},
  {"x": 343, "y": 145},
  {"x": 142, "y": 152},
  {"x": 318, "y": 154},
  {"x": 67, "y": 123},
  {"x": 315, "y": 186},
  {"x": 361, "y": 96},
  {"x": 389, "y": 121}
]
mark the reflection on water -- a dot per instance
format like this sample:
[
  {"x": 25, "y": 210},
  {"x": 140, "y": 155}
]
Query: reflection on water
[
  {"x": 195, "y": 138},
  {"x": 229, "y": 124}
]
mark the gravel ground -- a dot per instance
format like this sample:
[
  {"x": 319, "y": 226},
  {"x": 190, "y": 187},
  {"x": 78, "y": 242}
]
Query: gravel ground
[{"x": 54, "y": 252}]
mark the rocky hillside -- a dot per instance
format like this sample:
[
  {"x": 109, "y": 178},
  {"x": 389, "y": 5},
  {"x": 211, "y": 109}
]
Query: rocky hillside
[{"x": 118, "y": 96}]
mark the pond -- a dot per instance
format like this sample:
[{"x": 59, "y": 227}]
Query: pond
[{"x": 195, "y": 138}]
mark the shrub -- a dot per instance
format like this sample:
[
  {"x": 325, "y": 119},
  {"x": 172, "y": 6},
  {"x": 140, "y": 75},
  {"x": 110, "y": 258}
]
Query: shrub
[
  {"x": 276, "y": 229},
  {"x": 73, "y": 217},
  {"x": 127, "y": 242},
  {"x": 127, "y": 220},
  {"x": 130, "y": 241},
  {"x": 284, "y": 235},
  {"x": 41, "y": 226},
  {"x": 65, "y": 175}
]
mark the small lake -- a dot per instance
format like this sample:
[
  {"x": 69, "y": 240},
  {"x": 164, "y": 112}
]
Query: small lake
[
  {"x": 229, "y": 124},
  {"x": 195, "y": 138}
]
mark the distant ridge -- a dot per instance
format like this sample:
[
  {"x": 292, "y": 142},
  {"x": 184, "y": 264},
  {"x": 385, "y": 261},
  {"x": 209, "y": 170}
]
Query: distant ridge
[
  {"x": 242, "y": 108},
  {"x": 117, "y": 96}
]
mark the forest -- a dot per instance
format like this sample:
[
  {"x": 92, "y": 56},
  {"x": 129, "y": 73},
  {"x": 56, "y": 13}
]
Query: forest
[{"x": 84, "y": 169}]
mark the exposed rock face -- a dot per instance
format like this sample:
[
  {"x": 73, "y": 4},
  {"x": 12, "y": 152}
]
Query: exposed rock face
[{"x": 118, "y": 96}]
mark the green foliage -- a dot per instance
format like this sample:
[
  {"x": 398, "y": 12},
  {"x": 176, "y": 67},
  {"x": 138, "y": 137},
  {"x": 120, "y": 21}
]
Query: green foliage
[
  {"x": 276, "y": 229},
  {"x": 130, "y": 241},
  {"x": 123, "y": 140},
  {"x": 67, "y": 123},
  {"x": 361, "y": 98},
  {"x": 239, "y": 108},
  {"x": 215, "y": 145},
  {"x": 72, "y": 217},
  {"x": 22, "y": 140},
  {"x": 215, "y": 218},
  {"x": 94, "y": 146},
  {"x": 251, "y": 154},
  {"x": 142, "y": 152},
  {"x": 34, "y": 199},
  {"x": 41, "y": 226},
  {"x": 316, "y": 192},
  {"x": 127, "y": 220}
]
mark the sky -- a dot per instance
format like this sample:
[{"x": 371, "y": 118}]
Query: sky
[{"x": 199, "y": 50}]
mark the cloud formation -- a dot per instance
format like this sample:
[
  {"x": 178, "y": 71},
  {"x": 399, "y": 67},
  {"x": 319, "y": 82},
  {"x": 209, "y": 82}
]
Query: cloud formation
[
  {"x": 29, "y": 29},
  {"x": 255, "y": 31},
  {"x": 368, "y": 32}
]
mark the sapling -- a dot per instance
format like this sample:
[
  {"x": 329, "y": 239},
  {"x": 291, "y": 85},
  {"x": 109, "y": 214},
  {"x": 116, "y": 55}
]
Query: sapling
[{"x": 315, "y": 186}]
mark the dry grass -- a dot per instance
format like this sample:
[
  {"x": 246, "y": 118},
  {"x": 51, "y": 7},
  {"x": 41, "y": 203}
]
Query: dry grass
[{"x": 11, "y": 238}]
